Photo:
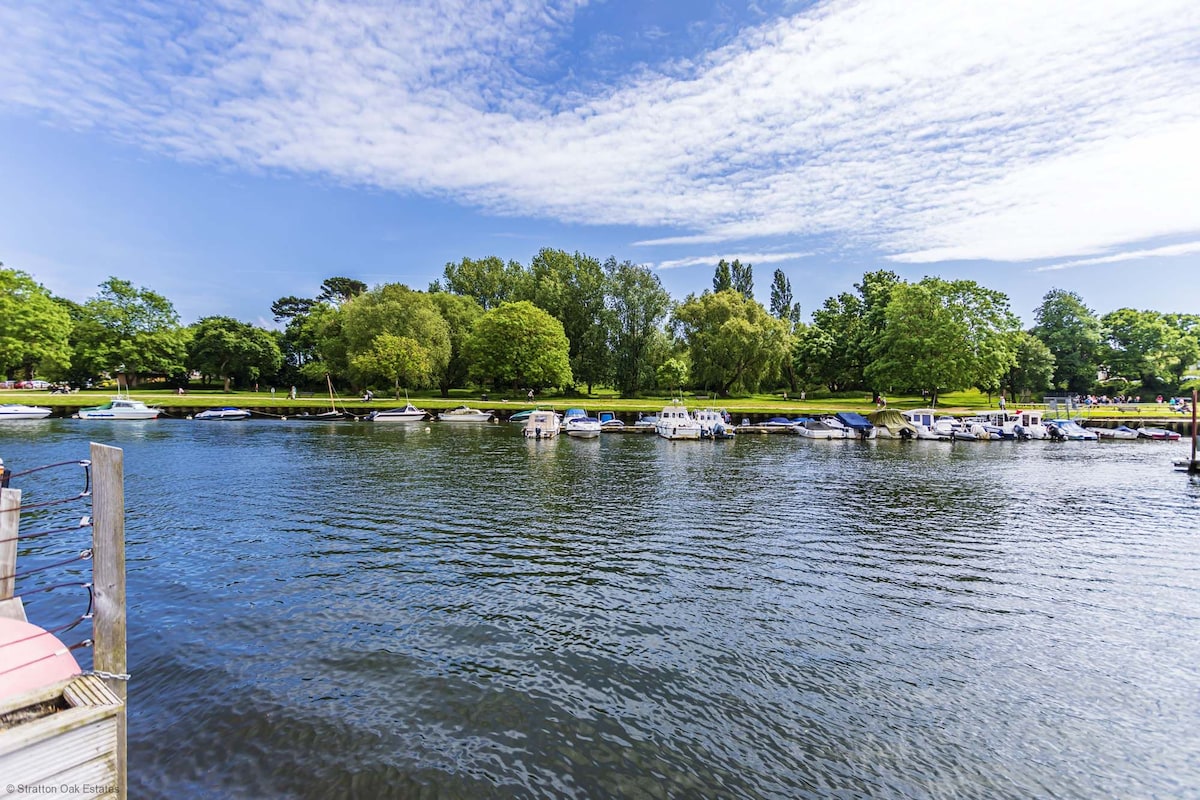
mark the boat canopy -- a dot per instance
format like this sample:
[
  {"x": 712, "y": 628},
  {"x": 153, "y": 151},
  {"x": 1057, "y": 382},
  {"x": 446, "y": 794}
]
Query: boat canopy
[
  {"x": 852, "y": 419},
  {"x": 890, "y": 418}
]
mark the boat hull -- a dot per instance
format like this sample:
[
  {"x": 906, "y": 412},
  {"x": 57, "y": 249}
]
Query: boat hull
[
  {"x": 222, "y": 415},
  {"x": 478, "y": 417},
  {"x": 16, "y": 411},
  {"x": 86, "y": 413}
]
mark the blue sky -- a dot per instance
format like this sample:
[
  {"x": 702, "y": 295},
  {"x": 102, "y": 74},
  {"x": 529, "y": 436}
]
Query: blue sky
[{"x": 229, "y": 153}]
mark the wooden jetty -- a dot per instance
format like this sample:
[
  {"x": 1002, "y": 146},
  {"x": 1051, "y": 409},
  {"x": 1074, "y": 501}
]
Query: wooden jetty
[{"x": 70, "y": 737}]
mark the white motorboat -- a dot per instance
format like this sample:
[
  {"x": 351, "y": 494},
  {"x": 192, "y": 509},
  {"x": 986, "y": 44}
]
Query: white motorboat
[
  {"x": 119, "y": 408},
  {"x": 409, "y": 413},
  {"x": 1070, "y": 431},
  {"x": 1030, "y": 426},
  {"x": 645, "y": 421},
  {"x": 1119, "y": 432},
  {"x": 674, "y": 422},
  {"x": 609, "y": 420},
  {"x": 464, "y": 414},
  {"x": 712, "y": 420},
  {"x": 225, "y": 413},
  {"x": 923, "y": 419},
  {"x": 577, "y": 423},
  {"x": 819, "y": 429},
  {"x": 856, "y": 425},
  {"x": 960, "y": 430},
  {"x": 541, "y": 425},
  {"x": 18, "y": 411}
]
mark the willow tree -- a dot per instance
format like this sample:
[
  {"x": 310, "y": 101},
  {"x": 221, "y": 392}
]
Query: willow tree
[
  {"x": 403, "y": 313},
  {"x": 733, "y": 342}
]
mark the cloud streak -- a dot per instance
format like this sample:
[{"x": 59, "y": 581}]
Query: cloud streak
[
  {"x": 1167, "y": 251},
  {"x": 1017, "y": 131},
  {"x": 746, "y": 258}
]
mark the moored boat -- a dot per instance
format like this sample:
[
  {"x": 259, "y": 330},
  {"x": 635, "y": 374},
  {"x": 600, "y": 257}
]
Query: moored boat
[
  {"x": 609, "y": 420},
  {"x": 119, "y": 408},
  {"x": 712, "y": 420},
  {"x": 1069, "y": 430},
  {"x": 19, "y": 411},
  {"x": 674, "y": 422},
  {"x": 923, "y": 421},
  {"x": 819, "y": 429},
  {"x": 891, "y": 424},
  {"x": 409, "y": 413},
  {"x": 577, "y": 423},
  {"x": 1158, "y": 434},
  {"x": 224, "y": 413},
  {"x": 1120, "y": 432},
  {"x": 858, "y": 426},
  {"x": 464, "y": 414},
  {"x": 541, "y": 425}
]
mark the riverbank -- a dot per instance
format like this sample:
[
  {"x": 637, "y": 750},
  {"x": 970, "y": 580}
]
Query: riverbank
[{"x": 756, "y": 408}]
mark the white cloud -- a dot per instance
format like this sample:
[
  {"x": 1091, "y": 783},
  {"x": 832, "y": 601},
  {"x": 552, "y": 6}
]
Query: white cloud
[
  {"x": 746, "y": 258},
  {"x": 1167, "y": 251},
  {"x": 930, "y": 130}
]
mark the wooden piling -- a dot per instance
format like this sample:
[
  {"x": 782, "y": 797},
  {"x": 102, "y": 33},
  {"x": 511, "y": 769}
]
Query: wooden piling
[
  {"x": 108, "y": 581},
  {"x": 10, "y": 523}
]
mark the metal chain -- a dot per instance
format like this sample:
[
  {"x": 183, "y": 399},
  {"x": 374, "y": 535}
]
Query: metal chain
[{"x": 116, "y": 676}]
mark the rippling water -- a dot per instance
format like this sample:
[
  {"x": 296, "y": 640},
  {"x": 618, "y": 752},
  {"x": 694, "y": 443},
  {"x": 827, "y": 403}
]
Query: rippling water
[{"x": 358, "y": 611}]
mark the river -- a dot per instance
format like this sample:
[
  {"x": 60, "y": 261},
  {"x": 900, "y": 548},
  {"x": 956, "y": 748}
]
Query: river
[{"x": 348, "y": 610}]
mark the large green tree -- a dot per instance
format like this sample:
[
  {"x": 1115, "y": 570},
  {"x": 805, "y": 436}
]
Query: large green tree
[
  {"x": 395, "y": 309},
  {"x": 638, "y": 306},
  {"x": 733, "y": 342},
  {"x": 226, "y": 348},
  {"x": 490, "y": 281},
  {"x": 338, "y": 290},
  {"x": 571, "y": 288},
  {"x": 1149, "y": 347},
  {"x": 138, "y": 332},
  {"x": 1074, "y": 335},
  {"x": 944, "y": 335},
  {"x": 520, "y": 345},
  {"x": 461, "y": 313},
  {"x": 397, "y": 360},
  {"x": 742, "y": 276},
  {"x": 35, "y": 330},
  {"x": 1032, "y": 373},
  {"x": 838, "y": 323}
]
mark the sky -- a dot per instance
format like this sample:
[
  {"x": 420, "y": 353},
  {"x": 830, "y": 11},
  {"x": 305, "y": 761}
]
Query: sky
[{"x": 229, "y": 153}]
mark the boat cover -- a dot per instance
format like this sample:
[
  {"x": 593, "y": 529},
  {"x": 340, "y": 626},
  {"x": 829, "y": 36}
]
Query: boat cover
[
  {"x": 854, "y": 420},
  {"x": 890, "y": 418}
]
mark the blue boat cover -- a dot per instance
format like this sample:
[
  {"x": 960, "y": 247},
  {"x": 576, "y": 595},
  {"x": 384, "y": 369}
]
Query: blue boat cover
[{"x": 854, "y": 420}]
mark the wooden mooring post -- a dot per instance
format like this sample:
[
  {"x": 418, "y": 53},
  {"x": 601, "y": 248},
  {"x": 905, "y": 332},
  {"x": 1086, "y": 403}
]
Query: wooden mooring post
[{"x": 108, "y": 582}]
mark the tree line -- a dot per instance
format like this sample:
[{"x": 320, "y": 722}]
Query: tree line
[{"x": 570, "y": 322}]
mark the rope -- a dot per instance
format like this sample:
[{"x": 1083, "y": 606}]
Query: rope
[
  {"x": 86, "y": 522},
  {"x": 84, "y": 555}
]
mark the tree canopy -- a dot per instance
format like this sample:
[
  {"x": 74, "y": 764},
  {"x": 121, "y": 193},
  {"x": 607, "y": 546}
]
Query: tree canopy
[
  {"x": 226, "y": 348},
  {"x": 35, "y": 330},
  {"x": 944, "y": 335},
  {"x": 733, "y": 342},
  {"x": 521, "y": 345}
]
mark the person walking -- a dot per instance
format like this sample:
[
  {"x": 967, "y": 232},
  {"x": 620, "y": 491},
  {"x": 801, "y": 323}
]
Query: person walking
[
  {"x": 1002, "y": 404},
  {"x": 292, "y": 394}
]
